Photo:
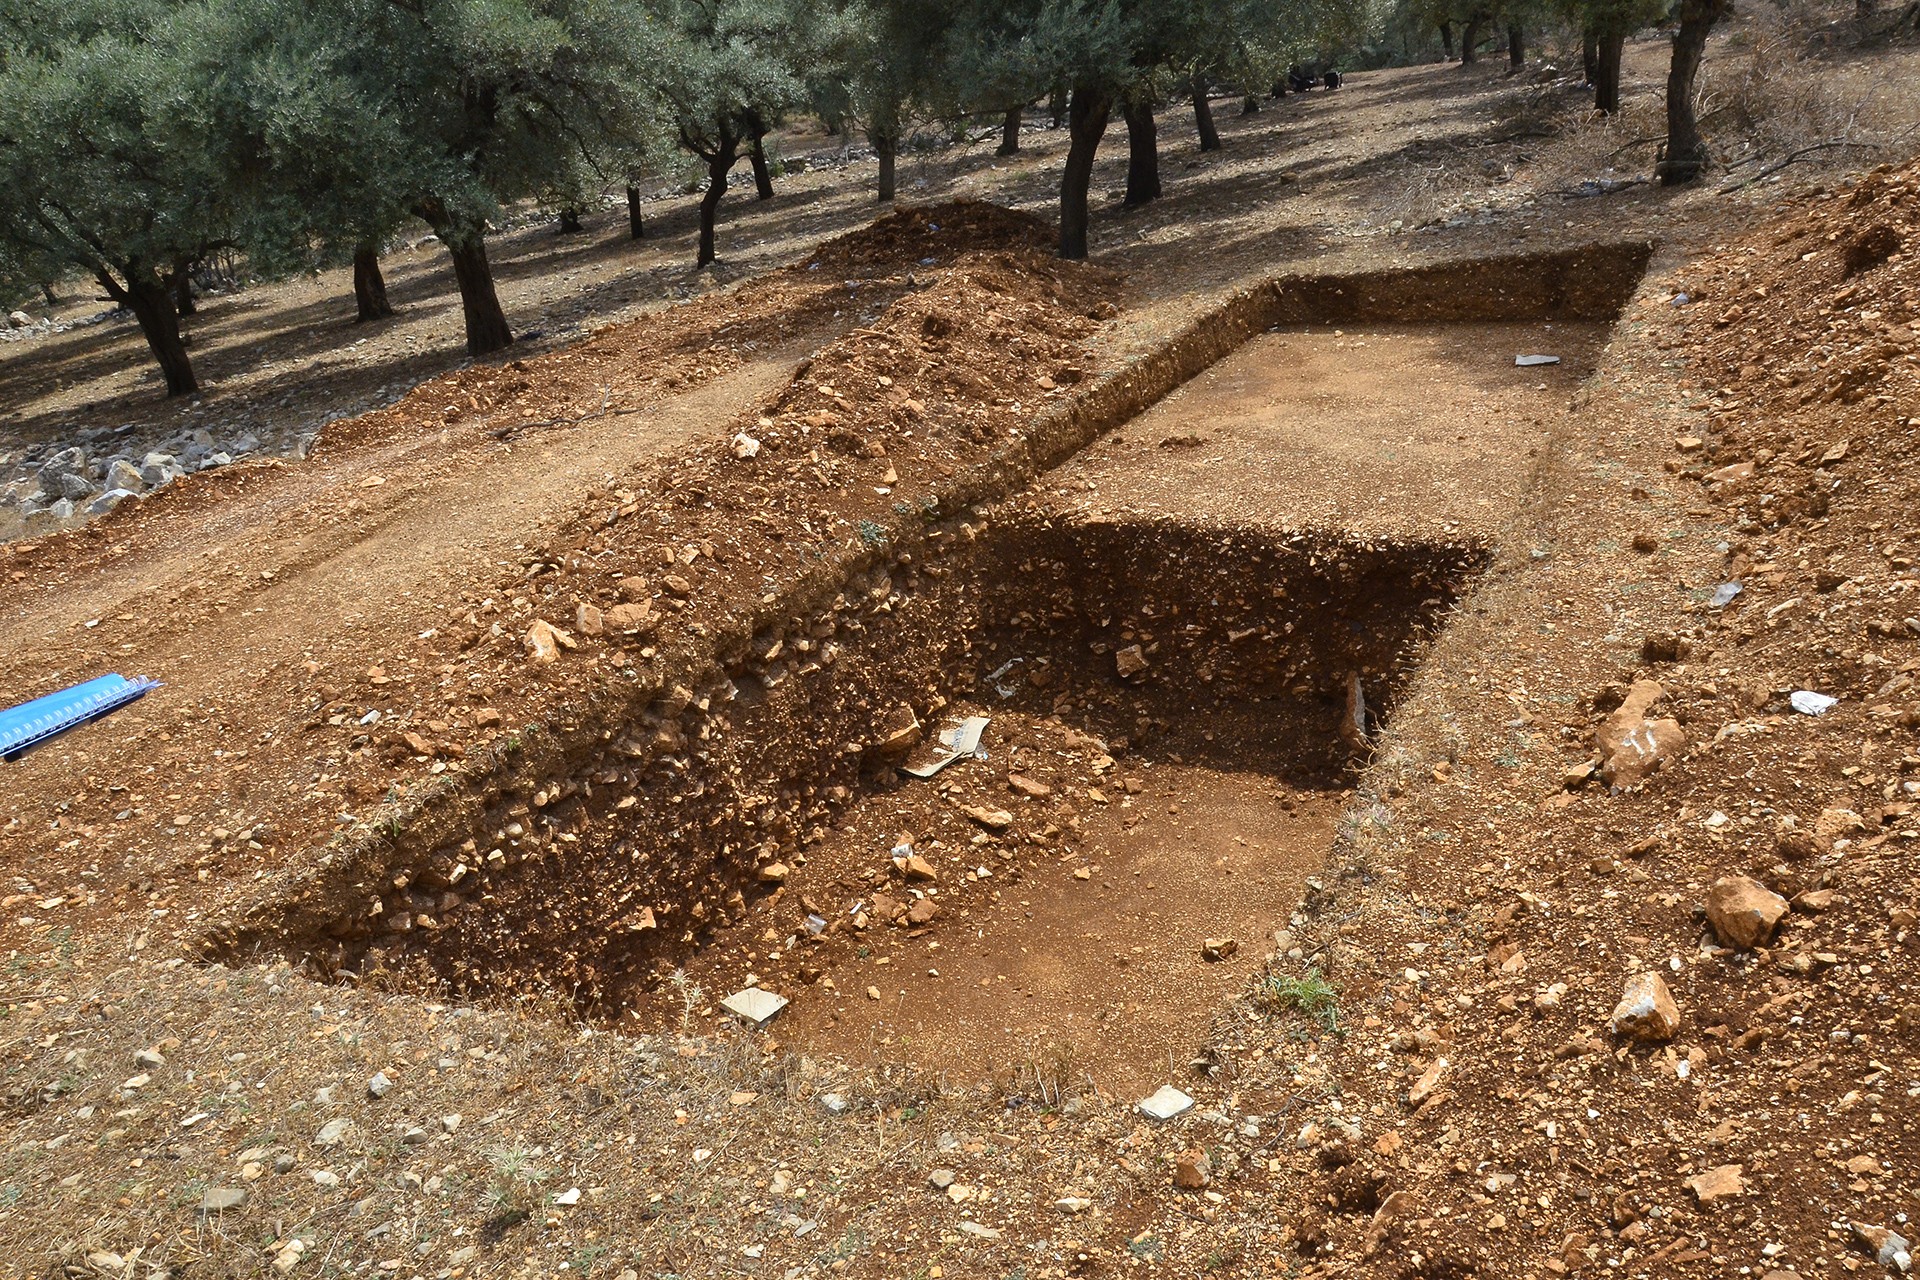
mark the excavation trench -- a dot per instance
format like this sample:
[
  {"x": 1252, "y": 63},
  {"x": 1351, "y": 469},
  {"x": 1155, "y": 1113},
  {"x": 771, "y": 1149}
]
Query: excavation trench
[
  {"x": 1170, "y": 694},
  {"x": 1170, "y": 719}
]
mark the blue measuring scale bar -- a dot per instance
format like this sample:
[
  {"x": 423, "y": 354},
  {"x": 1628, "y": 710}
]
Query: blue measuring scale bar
[{"x": 32, "y": 723}]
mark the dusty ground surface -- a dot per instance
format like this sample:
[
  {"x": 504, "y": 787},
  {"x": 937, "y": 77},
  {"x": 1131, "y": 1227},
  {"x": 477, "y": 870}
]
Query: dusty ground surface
[
  {"x": 1420, "y": 1079},
  {"x": 1419, "y": 431}
]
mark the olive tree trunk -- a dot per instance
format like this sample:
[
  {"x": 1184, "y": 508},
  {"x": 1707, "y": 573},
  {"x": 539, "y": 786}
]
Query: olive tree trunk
[
  {"x": 717, "y": 166},
  {"x": 369, "y": 286},
  {"x": 1516, "y": 46},
  {"x": 886, "y": 147},
  {"x": 147, "y": 296},
  {"x": 1606, "y": 80},
  {"x": 762, "y": 174},
  {"x": 1087, "y": 114},
  {"x": 1010, "y": 133},
  {"x": 1143, "y": 152},
  {"x": 636, "y": 224},
  {"x": 1685, "y": 156},
  {"x": 486, "y": 323},
  {"x": 1203, "y": 117}
]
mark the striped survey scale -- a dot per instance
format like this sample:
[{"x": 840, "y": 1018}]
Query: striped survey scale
[{"x": 32, "y": 723}]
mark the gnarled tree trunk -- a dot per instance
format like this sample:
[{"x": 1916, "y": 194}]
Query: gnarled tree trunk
[
  {"x": 1010, "y": 133},
  {"x": 1590, "y": 55},
  {"x": 1606, "y": 83},
  {"x": 1143, "y": 152},
  {"x": 369, "y": 286},
  {"x": 180, "y": 286},
  {"x": 1685, "y": 157},
  {"x": 486, "y": 323},
  {"x": 1516, "y": 46},
  {"x": 718, "y": 164},
  {"x": 147, "y": 296},
  {"x": 636, "y": 224},
  {"x": 569, "y": 221},
  {"x": 757, "y": 157},
  {"x": 1203, "y": 116},
  {"x": 1087, "y": 115},
  {"x": 885, "y": 146},
  {"x": 1446, "y": 39},
  {"x": 1470, "y": 40}
]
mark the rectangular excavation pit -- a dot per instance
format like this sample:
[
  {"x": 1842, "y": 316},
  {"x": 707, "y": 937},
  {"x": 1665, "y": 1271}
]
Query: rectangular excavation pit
[
  {"x": 640, "y": 844},
  {"x": 1176, "y": 700}
]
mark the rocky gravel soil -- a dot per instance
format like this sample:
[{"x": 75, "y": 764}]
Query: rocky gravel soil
[{"x": 1609, "y": 970}]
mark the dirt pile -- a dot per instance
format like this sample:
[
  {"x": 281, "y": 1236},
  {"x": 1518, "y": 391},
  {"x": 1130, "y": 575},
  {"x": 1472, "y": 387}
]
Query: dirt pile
[{"x": 1668, "y": 1025}]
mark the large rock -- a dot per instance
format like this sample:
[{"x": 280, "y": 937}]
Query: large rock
[
  {"x": 1743, "y": 912},
  {"x": 1646, "y": 1010},
  {"x": 70, "y": 461},
  {"x": 122, "y": 474},
  {"x": 160, "y": 468},
  {"x": 1631, "y": 744},
  {"x": 75, "y": 487},
  {"x": 19, "y": 320},
  {"x": 108, "y": 501}
]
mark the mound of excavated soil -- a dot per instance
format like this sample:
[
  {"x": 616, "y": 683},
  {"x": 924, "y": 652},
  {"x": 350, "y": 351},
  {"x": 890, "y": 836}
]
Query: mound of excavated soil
[{"x": 1663, "y": 1027}]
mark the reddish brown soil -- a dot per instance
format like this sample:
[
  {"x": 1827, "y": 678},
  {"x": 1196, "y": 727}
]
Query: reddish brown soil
[
  {"x": 1082, "y": 964},
  {"x": 1473, "y": 869}
]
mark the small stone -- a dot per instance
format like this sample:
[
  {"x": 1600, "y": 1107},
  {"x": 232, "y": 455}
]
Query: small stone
[
  {"x": 979, "y": 1229},
  {"x": 588, "y": 620},
  {"x": 677, "y": 586},
  {"x": 915, "y": 867},
  {"x": 941, "y": 1179},
  {"x": 450, "y": 1123},
  {"x": 1723, "y": 1183},
  {"x": 631, "y": 619},
  {"x": 1130, "y": 661},
  {"x": 835, "y": 1103},
  {"x": 755, "y": 1005},
  {"x": 288, "y": 1256},
  {"x": 332, "y": 1132},
  {"x": 873, "y": 993},
  {"x": 150, "y": 1059},
  {"x": 1192, "y": 1170},
  {"x": 325, "y": 1178},
  {"x": 1429, "y": 1081},
  {"x": 1646, "y": 1010},
  {"x": 219, "y": 1199},
  {"x": 1889, "y": 1248},
  {"x": 1743, "y": 912},
  {"x": 898, "y": 733},
  {"x": 1029, "y": 787},
  {"x": 990, "y": 818},
  {"x": 413, "y": 1136},
  {"x": 1813, "y": 901},
  {"x": 773, "y": 873},
  {"x": 1631, "y": 745},
  {"x": 380, "y": 1086},
  {"x": 1165, "y": 1103},
  {"x": 635, "y": 590},
  {"x": 544, "y": 641},
  {"x": 1073, "y": 1204},
  {"x": 1218, "y": 948}
]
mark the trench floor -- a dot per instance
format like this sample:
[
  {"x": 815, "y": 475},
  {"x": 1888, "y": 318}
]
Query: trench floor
[
  {"x": 1424, "y": 431},
  {"x": 1074, "y": 959}
]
